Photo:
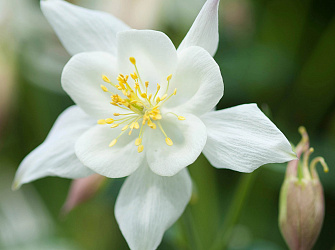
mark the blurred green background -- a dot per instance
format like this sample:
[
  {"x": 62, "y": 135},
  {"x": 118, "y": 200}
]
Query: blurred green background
[{"x": 279, "y": 54}]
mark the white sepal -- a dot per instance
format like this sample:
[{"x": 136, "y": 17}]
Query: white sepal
[
  {"x": 242, "y": 138},
  {"x": 204, "y": 31},
  {"x": 80, "y": 29},
  {"x": 55, "y": 156}
]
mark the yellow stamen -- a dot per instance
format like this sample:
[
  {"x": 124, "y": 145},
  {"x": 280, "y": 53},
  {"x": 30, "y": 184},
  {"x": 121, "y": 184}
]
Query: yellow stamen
[
  {"x": 139, "y": 103},
  {"x": 132, "y": 60},
  {"x": 157, "y": 117},
  {"x": 104, "y": 88},
  {"x": 140, "y": 148},
  {"x": 168, "y": 141},
  {"x": 125, "y": 128},
  {"x": 106, "y": 79},
  {"x": 138, "y": 141},
  {"x": 163, "y": 97},
  {"x": 151, "y": 124},
  {"x": 134, "y": 76},
  {"x": 101, "y": 121},
  {"x": 109, "y": 120},
  {"x": 113, "y": 143}
]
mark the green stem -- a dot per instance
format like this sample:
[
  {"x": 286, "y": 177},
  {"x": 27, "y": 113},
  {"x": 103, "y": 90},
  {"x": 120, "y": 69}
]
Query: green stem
[
  {"x": 240, "y": 196},
  {"x": 190, "y": 230}
]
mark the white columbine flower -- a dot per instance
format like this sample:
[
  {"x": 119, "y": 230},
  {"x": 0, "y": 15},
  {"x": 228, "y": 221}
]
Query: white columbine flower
[{"x": 144, "y": 110}]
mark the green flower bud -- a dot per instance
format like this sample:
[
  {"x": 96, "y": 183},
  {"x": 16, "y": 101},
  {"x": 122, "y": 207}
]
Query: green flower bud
[{"x": 301, "y": 204}]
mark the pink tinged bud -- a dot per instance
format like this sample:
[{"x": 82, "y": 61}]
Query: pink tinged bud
[
  {"x": 301, "y": 204},
  {"x": 82, "y": 190}
]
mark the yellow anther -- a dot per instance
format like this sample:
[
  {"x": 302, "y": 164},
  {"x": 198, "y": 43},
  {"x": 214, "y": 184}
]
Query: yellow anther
[
  {"x": 163, "y": 97},
  {"x": 158, "y": 99},
  {"x": 124, "y": 128},
  {"x": 106, "y": 79},
  {"x": 144, "y": 95},
  {"x": 113, "y": 143},
  {"x": 158, "y": 87},
  {"x": 156, "y": 117},
  {"x": 132, "y": 125},
  {"x": 153, "y": 126},
  {"x": 182, "y": 118},
  {"x": 104, "y": 88},
  {"x": 134, "y": 76},
  {"x": 115, "y": 125},
  {"x": 118, "y": 87},
  {"x": 116, "y": 114},
  {"x": 146, "y": 84},
  {"x": 175, "y": 92},
  {"x": 126, "y": 78},
  {"x": 136, "y": 125},
  {"x": 109, "y": 120},
  {"x": 140, "y": 148},
  {"x": 132, "y": 60},
  {"x": 150, "y": 97},
  {"x": 101, "y": 121},
  {"x": 131, "y": 131},
  {"x": 168, "y": 141},
  {"x": 122, "y": 86},
  {"x": 138, "y": 141},
  {"x": 169, "y": 77}
]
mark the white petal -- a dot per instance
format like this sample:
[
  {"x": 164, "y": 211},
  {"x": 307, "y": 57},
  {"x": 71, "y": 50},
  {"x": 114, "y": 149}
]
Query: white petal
[
  {"x": 189, "y": 138},
  {"x": 82, "y": 80},
  {"x": 148, "y": 204},
  {"x": 204, "y": 31},
  {"x": 155, "y": 55},
  {"x": 92, "y": 148},
  {"x": 198, "y": 81},
  {"x": 55, "y": 156},
  {"x": 80, "y": 29},
  {"x": 242, "y": 138}
]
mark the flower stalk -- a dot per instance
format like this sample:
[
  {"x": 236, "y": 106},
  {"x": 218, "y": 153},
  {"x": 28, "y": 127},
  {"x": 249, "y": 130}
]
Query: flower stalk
[{"x": 240, "y": 197}]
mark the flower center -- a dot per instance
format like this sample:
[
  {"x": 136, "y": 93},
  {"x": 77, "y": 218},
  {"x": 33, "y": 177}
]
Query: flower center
[{"x": 142, "y": 107}]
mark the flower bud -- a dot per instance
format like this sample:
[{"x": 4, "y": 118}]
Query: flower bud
[
  {"x": 301, "y": 204},
  {"x": 82, "y": 190}
]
